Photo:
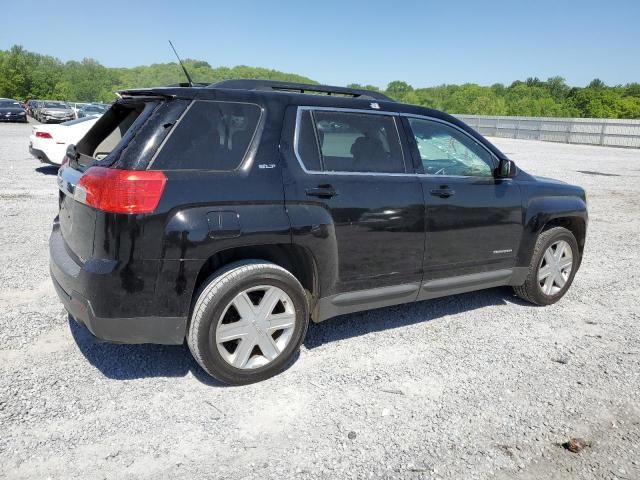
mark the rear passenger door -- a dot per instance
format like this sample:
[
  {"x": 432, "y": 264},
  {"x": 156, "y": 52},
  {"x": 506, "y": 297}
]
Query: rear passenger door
[{"x": 350, "y": 189}]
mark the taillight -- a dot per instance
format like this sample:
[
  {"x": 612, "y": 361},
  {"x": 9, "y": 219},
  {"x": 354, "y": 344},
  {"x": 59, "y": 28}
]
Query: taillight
[
  {"x": 43, "y": 135},
  {"x": 121, "y": 191}
]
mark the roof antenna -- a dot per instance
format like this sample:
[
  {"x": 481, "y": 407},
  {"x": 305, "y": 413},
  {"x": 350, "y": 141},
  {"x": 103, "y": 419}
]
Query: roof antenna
[{"x": 182, "y": 65}]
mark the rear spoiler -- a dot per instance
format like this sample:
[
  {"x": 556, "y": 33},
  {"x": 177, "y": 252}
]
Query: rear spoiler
[{"x": 147, "y": 92}]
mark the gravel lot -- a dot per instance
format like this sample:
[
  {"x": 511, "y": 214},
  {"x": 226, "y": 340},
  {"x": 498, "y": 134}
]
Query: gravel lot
[{"x": 469, "y": 387}]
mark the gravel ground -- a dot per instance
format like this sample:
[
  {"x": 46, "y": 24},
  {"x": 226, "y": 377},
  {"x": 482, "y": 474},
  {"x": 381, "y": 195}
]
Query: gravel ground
[{"x": 469, "y": 387}]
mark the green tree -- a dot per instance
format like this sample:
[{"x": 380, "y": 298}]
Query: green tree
[
  {"x": 596, "y": 83},
  {"x": 398, "y": 89},
  {"x": 25, "y": 74}
]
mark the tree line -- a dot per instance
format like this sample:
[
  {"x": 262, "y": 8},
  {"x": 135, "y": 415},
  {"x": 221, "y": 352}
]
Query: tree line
[
  {"x": 532, "y": 98},
  {"x": 25, "y": 74}
]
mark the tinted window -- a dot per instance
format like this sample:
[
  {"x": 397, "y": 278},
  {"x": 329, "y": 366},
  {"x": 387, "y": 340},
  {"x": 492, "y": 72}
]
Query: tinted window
[
  {"x": 211, "y": 136},
  {"x": 307, "y": 142},
  {"x": 355, "y": 142},
  {"x": 9, "y": 104},
  {"x": 445, "y": 150},
  {"x": 55, "y": 105},
  {"x": 78, "y": 120}
]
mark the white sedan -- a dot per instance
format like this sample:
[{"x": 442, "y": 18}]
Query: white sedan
[{"x": 48, "y": 143}]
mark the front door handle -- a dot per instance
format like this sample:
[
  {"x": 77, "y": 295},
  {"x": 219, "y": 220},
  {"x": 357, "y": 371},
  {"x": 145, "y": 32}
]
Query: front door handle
[
  {"x": 322, "y": 191},
  {"x": 443, "y": 192}
]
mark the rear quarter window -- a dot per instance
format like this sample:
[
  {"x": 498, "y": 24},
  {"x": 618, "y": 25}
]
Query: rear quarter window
[{"x": 211, "y": 136}]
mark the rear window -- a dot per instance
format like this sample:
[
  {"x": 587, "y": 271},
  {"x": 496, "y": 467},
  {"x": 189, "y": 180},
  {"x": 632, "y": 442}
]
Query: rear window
[
  {"x": 78, "y": 120},
  {"x": 117, "y": 131},
  {"x": 211, "y": 136}
]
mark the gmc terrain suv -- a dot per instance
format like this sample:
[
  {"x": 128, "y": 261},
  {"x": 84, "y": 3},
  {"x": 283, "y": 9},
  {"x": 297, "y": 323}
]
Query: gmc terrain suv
[{"x": 231, "y": 214}]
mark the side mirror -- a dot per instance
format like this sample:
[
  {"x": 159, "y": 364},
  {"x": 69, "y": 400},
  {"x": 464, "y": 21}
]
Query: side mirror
[{"x": 507, "y": 168}]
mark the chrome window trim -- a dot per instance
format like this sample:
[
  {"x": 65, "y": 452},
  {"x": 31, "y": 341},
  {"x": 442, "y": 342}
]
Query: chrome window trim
[{"x": 296, "y": 138}]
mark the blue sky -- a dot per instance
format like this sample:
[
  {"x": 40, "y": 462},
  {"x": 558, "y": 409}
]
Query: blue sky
[{"x": 338, "y": 42}]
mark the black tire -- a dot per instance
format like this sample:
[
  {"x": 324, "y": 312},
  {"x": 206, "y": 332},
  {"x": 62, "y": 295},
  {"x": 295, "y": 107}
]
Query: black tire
[
  {"x": 531, "y": 290},
  {"x": 212, "y": 299}
]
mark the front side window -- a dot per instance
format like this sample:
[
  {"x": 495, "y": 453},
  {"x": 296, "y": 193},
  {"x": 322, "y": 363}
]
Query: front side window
[
  {"x": 210, "y": 136},
  {"x": 351, "y": 142},
  {"x": 445, "y": 150}
]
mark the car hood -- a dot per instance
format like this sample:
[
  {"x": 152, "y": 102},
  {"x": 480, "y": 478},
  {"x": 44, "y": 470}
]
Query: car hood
[
  {"x": 57, "y": 110},
  {"x": 558, "y": 187},
  {"x": 549, "y": 180}
]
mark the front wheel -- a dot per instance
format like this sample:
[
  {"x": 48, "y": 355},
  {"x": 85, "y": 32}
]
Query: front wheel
[
  {"x": 553, "y": 266},
  {"x": 248, "y": 322}
]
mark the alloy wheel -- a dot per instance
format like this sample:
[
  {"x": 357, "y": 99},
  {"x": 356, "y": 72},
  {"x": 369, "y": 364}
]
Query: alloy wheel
[
  {"x": 255, "y": 327},
  {"x": 555, "y": 267}
]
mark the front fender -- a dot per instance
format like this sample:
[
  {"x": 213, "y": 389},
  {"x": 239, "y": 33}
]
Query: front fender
[{"x": 540, "y": 211}]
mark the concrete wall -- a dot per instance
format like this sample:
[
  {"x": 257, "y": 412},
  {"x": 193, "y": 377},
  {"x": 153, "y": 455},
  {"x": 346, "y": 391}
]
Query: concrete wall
[{"x": 589, "y": 131}]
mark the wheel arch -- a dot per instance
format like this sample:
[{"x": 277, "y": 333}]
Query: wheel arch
[
  {"x": 293, "y": 258},
  {"x": 576, "y": 225},
  {"x": 546, "y": 212}
]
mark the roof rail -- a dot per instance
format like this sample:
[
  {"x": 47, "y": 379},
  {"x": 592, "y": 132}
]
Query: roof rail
[
  {"x": 184, "y": 84},
  {"x": 273, "y": 85}
]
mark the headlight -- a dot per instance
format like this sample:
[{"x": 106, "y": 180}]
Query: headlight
[{"x": 21, "y": 113}]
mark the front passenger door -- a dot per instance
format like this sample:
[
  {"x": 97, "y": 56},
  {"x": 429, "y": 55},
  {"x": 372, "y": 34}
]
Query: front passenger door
[{"x": 473, "y": 219}]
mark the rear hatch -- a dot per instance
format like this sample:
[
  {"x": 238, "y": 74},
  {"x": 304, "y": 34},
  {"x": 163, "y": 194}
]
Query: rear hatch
[{"x": 90, "y": 180}]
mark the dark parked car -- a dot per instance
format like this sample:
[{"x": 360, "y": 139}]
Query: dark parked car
[
  {"x": 53, "y": 111},
  {"x": 232, "y": 214},
  {"x": 12, "y": 111},
  {"x": 31, "y": 107}
]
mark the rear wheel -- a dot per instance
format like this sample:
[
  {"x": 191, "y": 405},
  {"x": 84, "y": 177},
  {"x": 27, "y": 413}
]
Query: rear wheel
[
  {"x": 553, "y": 265},
  {"x": 248, "y": 322}
]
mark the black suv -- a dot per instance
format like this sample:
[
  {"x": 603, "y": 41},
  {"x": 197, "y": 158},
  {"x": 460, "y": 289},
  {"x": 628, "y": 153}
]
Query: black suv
[{"x": 231, "y": 214}]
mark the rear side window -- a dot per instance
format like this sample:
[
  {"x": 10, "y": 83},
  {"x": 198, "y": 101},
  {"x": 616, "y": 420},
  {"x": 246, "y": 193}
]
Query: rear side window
[
  {"x": 211, "y": 136},
  {"x": 352, "y": 142}
]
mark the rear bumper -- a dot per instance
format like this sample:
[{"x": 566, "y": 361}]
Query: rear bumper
[
  {"x": 82, "y": 287},
  {"x": 40, "y": 155}
]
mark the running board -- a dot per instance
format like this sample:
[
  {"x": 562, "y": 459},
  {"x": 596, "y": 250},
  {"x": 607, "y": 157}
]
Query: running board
[
  {"x": 464, "y": 283},
  {"x": 361, "y": 300}
]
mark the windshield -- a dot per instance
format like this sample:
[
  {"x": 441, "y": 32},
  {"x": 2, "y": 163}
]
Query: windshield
[
  {"x": 55, "y": 105},
  {"x": 94, "y": 108},
  {"x": 79, "y": 120},
  {"x": 9, "y": 104}
]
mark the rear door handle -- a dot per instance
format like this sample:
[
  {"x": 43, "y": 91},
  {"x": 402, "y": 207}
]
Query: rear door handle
[
  {"x": 442, "y": 192},
  {"x": 322, "y": 191}
]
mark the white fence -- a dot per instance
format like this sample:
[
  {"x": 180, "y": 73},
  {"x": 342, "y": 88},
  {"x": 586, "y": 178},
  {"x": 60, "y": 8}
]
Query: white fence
[{"x": 590, "y": 131}]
